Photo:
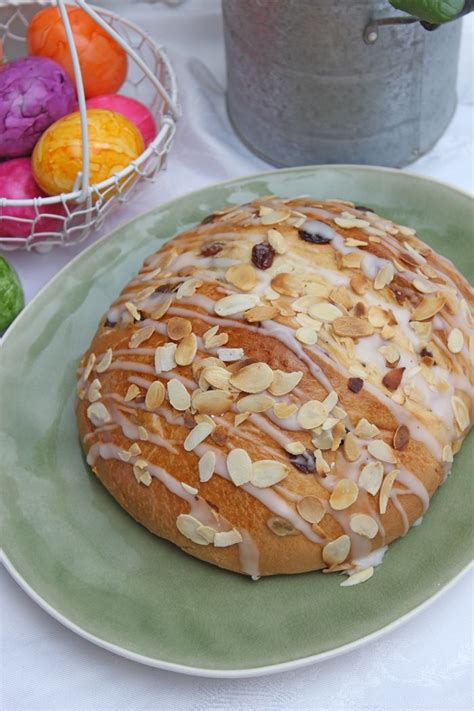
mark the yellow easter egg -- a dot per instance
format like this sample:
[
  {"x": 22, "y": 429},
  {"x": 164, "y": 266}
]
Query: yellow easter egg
[{"x": 57, "y": 157}]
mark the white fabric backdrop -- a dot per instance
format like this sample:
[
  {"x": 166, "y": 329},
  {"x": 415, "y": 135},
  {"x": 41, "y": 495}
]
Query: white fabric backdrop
[{"x": 424, "y": 666}]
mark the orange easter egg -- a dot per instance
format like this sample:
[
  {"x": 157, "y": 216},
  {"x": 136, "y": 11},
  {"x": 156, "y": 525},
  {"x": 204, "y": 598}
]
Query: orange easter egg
[
  {"x": 57, "y": 157},
  {"x": 103, "y": 62}
]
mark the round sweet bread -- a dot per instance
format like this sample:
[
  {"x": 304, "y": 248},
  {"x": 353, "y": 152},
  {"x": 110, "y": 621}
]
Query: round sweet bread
[{"x": 282, "y": 388}]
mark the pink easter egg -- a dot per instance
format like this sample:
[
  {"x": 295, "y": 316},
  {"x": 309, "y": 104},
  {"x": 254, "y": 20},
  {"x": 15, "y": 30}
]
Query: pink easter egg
[
  {"x": 133, "y": 110},
  {"x": 17, "y": 183}
]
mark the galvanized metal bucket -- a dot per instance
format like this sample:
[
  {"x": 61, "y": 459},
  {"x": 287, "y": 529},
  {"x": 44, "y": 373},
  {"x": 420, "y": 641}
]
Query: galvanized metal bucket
[{"x": 318, "y": 81}]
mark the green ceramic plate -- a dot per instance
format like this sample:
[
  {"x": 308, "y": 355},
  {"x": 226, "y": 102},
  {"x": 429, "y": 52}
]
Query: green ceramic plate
[{"x": 90, "y": 565}]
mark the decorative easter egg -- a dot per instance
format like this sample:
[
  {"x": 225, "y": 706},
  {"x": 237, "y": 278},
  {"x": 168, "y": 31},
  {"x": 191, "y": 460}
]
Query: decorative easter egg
[
  {"x": 17, "y": 183},
  {"x": 133, "y": 110},
  {"x": 103, "y": 62},
  {"x": 57, "y": 158},
  {"x": 34, "y": 93}
]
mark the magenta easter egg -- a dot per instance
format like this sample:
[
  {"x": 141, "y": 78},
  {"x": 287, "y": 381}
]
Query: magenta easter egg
[
  {"x": 133, "y": 110},
  {"x": 34, "y": 93},
  {"x": 17, "y": 183}
]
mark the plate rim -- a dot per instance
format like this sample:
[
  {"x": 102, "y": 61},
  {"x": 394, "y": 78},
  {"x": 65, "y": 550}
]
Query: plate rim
[{"x": 191, "y": 670}]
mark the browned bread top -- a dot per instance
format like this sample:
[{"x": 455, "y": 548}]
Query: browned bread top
[{"x": 283, "y": 387}]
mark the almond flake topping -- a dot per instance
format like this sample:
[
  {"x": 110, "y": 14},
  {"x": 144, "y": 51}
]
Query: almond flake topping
[
  {"x": 178, "y": 328},
  {"x": 364, "y": 525},
  {"x": 162, "y": 308},
  {"x": 390, "y": 353},
  {"x": 295, "y": 447},
  {"x": 189, "y": 489},
  {"x": 386, "y": 489},
  {"x": 133, "y": 311},
  {"x": 283, "y": 383},
  {"x": 223, "y": 539},
  {"x": 311, "y": 509},
  {"x": 384, "y": 276},
  {"x": 89, "y": 365},
  {"x": 455, "y": 341},
  {"x": 337, "y": 551},
  {"x": 178, "y": 396},
  {"x": 286, "y": 284},
  {"x": 165, "y": 357},
  {"x": 351, "y": 448},
  {"x": 277, "y": 241},
  {"x": 267, "y": 472},
  {"x": 461, "y": 413},
  {"x": 330, "y": 401},
  {"x": 155, "y": 395},
  {"x": 104, "y": 362},
  {"x": 347, "y": 223},
  {"x": 239, "y": 466},
  {"x": 344, "y": 494},
  {"x": 261, "y": 313},
  {"x": 140, "y": 336},
  {"x": 306, "y": 335},
  {"x": 382, "y": 451},
  {"x": 274, "y": 217},
  {"x": 255, "y": 403},
  {"x": 188, "y": 288},
  {"x": 135, "y": 449},
  {"x": 366, "y": 430},
  {"x": 230, "y": 355},
  {"x": 425, "y": 287},
  {"x": 447, "y": 453},
  {"x": 325, "y": 312},
  {"x": 212, "y": 402},
  {"x": 322, "y": 467},
  {"x": 188, "y": 526},
  {"x": 253, "y": 378},
  {"x": 378, "y": 317},
  {"x": 243, "y": 276},
  {"x": 93, "y": 393},
  {"x": 98, "y": 414},
  {"x": 235, "y": 303},
  {"x": 186, "y": 350},
  {"x": 312, "y": 414},
  {"x": 132, "y": 393},
  {"x": 281, "y": 526},
  {"x": 428, "y": 307},
  {"x": 371, "y": 477},
  {"x": 206, "y": 466},
  {"x": 359, "y": 577},
  {"x": 351, "y": 327},
  {"x": 401, "y": 437},
  {"x": 216, "y": 376},
  {"x": 197, "y": 435}
]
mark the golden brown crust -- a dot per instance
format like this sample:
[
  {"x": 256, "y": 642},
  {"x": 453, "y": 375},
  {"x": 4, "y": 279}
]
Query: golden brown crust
[{"x": 332, "y": 286}]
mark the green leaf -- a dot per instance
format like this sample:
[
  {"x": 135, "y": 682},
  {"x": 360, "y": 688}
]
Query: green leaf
[{"x": 434, "y": 11}]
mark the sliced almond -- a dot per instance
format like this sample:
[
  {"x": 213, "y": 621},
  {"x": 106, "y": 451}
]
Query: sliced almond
[
  {"x": 89, "y": 365},
  {"x": 325, "y": 312},
  {"x": 186, "y": 350},
  {"x": 135, "y": 449},
  {"x": 351, "y": 242},
  {"x": 306, "y": 335},
  {"x": 447, "y": 454},
  {"x": 132, "y": 393},
  {"x": 425, "y": 287},
  {"x": 98, "y": 414},
  {"x": 239, "y": 466},
  {"x": 371, "y": 477},
  {"x": 364, "y": 525},
  {"x": 384, "y": 276},
  {"x": 165, "y": 357},
  {"x": 330, "y": 401},
  {"x": 352, "y": 260},
  {"x": 161, "y": 308},
  {"x": 312, "y": 414},
  {"x": 461, "y": 413},
  {"x": 401, "y": 437},
  {"x": 188, "y": 288},
  {"x": 261, "y": 313},
  {"x": 283, "y": 383},
  {"x": 133, "y": 311},
  {"x": 230, "y": 355},
  {"x": 255, "y": 403},
  {"x": 189, "y": 489},
  {"x": 155, "y": 395},
  {"x": 93, "y": 393},
  {"x": 281, "y": 526},
  {"x": 348, "y": 223},
  {"x": 455, "y": 341},
  {"x": 104, "y": 362},
  {"x": 212, "y": 402},
  {"x": 142, "y": 433},
  {"x": 377, "y": 316},
  {"x": 206, "y": 466},
  {"x": 349, "y": 326},
  {"x": 235, "y": 303},
  {"x": 188, "y": 526},
  {"x": 393, "y": 378},
  {"x": 311, "y": 509},
  {"x": 223, "y": 539},
  {"x": 366, "y": 430},
  {"x": 381, "y": 451},
  {"x": 286, "y": 284},
  {"x": 386, "y": 488},
  {"x": 267, "y": 472},
  {"x": 274, "y": 217},
  {"x": 428, "y": 307},
  {"x": 295, "y": 447},
  {"x": 359, "y": 284},
  {"x": 178, "y": 396},
  {"x": 178, "y": 328},
  {"x": 217, "y": 341},
  {"x": 351, "y": 448},
  {"x": 207, "y": 532},
  {"x": 217, "y": 377},
  {"x": 344, "y": 494},
  {"x": 241, "y": 417},
  {"x": 336, "y": 551},
  {"x": 253, "y": 378},
  {"x": 243, "y": 276},
  {"x": 322, "y": 467},
  {"x": 307, "y": 322},
  {"x": 390, "y": 353},
  {"x": 197, "y": 435},
  {"x": 140, "y": 336},
  {"x": 277, "y": 241},
  {"x": 361, "y": 576}
]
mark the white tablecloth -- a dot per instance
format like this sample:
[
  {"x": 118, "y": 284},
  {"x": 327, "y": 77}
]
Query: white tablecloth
[{"x": 424, "y": 665}]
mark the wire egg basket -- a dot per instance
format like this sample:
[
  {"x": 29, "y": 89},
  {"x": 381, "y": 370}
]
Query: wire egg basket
[{"x": 150, "y": 79}]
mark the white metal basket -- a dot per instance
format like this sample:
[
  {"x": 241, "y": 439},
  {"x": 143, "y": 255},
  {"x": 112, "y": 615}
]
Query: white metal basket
[{"x": 150, "y": 79}]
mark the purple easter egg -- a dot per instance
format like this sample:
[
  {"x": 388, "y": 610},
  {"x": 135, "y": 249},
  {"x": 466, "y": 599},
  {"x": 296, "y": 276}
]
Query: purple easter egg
[
  {"x": 34, "y": 93},
  {"x": 17, "y": 183}
]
